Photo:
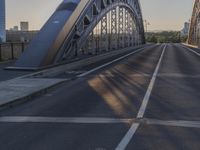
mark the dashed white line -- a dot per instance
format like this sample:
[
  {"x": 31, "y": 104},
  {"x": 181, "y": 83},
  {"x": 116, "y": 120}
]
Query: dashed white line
[{"x": 126, "y": 139}]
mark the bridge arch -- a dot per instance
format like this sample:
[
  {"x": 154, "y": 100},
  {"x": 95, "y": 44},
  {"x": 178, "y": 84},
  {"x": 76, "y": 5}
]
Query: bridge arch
[
  {"x": 68, "y": 29},
  {"x": 194, "y": 32}
]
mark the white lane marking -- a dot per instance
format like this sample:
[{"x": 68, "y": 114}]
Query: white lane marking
[
  {"x": 96, "y": 120},
  {"x": 86, "y": 120},
  {"x": 177, "y": 75},
  {"x": 109, "y": 63},
  {"x": 123, "y": 144},
  {"x": 150, "y": 88},
  {"x": 191, "y": 50},
  {"x": 126, "y": 139},
  {"x": 176, "y": 123},
  {"x": 166, "y": 75}
]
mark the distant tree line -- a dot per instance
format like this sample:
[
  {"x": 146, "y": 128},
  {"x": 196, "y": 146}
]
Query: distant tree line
[{"x": 165, "y": 37}]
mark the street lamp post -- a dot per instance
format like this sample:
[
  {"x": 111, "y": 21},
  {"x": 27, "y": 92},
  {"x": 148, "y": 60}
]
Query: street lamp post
[{"x": 146, "y": 23}]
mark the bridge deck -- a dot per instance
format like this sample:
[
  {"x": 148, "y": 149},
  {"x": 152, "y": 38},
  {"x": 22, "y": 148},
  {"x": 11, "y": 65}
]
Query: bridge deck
[{"x": 149, "y": 100}]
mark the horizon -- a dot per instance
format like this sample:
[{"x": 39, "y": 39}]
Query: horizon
[{"x": 172, "y": 20}]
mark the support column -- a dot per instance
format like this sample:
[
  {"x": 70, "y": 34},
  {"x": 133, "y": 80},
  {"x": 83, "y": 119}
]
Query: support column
[
  {"x": 104, "y": 38},
  {"x": 114, "y": 28},
  {"x": 121, "y": 27}
]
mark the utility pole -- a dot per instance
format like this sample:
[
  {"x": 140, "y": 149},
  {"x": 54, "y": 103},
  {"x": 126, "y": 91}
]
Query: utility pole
[{"x": 146, "y": 24}]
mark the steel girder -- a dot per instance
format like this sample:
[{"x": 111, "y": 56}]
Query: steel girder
[
  {"x": 117, "y": 28},
  {"x": 100, "y": 17}
]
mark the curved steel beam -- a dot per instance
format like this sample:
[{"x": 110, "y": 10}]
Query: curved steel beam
[{"x": 193, "y": 37}]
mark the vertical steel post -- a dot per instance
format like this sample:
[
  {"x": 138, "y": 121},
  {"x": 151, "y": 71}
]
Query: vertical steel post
[
  {"x": 126, "y": 29},
  {"x": 104, "y": 33},
  {"x": 12, "y": 51},
  {"x": 0, "y": 52},
  {"x": 22, "y": 44},
  {"x": 121, "y": 27},
  {"x": 114, "y": 28},
  {"x": 109, "y": 30}
]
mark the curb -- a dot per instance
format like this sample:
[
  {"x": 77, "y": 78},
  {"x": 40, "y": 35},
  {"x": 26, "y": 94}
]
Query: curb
[{"x": 32, "y": 95}]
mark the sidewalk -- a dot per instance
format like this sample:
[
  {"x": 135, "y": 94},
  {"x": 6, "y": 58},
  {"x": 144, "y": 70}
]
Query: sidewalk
[{"x": 18, "y": 89}]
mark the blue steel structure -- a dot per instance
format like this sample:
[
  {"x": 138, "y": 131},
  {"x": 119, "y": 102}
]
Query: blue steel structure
[
  {"x": 80, "y": 27},
  {"x": 2, "y": 21}
]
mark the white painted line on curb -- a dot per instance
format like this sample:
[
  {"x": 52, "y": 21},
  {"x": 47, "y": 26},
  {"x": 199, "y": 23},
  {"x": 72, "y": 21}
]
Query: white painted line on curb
[
  {"x": 86, "y": 120},
  {"x": 109, "y": 63},
  {"x": 126, "y": 139},
  {"x": 189, "y": 49}
]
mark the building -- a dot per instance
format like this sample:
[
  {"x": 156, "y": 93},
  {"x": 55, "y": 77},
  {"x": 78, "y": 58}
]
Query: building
[
  {"x": 185, "y": 30},
  {"x": 20, "y": 36},
  {"x": 2, "y": 21},
  {"x": 15, "y": 28},
  {"x": 24, "y": 26}
]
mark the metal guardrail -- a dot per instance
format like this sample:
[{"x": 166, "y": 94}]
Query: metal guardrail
[{"x": 11, "y": 51}]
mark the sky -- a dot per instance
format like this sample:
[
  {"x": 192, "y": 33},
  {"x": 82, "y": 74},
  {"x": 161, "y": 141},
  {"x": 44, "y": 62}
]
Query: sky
[
  {"x": 161, "y": 14},
  {"x": 166, "y": 14}
]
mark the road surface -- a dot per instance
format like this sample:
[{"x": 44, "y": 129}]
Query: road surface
[{"x": 148, "y": 101}]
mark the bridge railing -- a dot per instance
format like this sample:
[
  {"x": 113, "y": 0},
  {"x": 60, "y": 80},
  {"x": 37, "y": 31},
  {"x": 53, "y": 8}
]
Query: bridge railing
[{"x": 11, "y": 51}]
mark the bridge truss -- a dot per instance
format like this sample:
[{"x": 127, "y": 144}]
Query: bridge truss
[
  {"x": 194, "y": 33},
  {"x": 84, "y": 27}
]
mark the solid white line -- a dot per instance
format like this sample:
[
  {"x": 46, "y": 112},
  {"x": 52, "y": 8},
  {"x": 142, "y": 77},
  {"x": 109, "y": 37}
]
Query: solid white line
[
  {"x": 176, "y": 123},
  {"x": 126, "y": 139},
  {"x": 150, "y": 88},
  {"x": 191, "y": 50},
  {"x": 109, "y": 63},
  {"x": 74, "y": 120},
  {"x": 124, "y": 142},
  {"x": 96, "y": 120},
  {"x": 178, "y": 75}
]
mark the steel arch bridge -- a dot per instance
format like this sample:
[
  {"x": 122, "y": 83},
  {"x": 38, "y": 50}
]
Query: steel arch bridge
[
  {"x": 81, "y": 27},
  {"x": 194, "y": 33}
]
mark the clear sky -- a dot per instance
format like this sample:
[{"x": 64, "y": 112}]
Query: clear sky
[
  {"x": 166, "y": 14},
  {"x": 162, "y": 14}
]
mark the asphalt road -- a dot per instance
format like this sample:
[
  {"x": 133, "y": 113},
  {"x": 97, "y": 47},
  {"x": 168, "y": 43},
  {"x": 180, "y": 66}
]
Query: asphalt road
[{"x": 148, "y": 101}]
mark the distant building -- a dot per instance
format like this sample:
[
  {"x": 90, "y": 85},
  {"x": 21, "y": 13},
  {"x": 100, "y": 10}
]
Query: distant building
[
  {"x": 24, "y": 26},
  {"x": 2, "y": 21},
  {"x": 15, "y": 28},
  {"x": 185, "y": 30},
  {"x": 20, "y": 36}
]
